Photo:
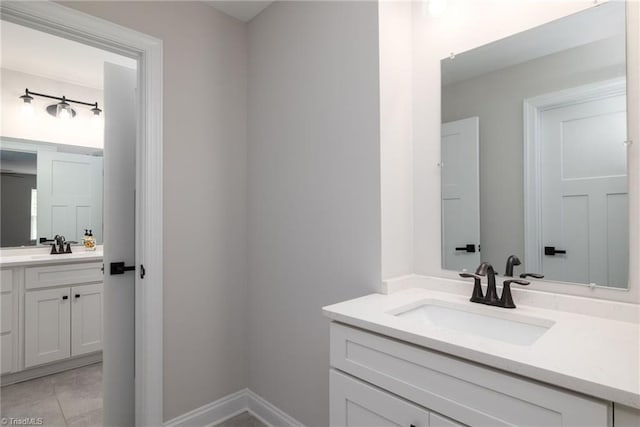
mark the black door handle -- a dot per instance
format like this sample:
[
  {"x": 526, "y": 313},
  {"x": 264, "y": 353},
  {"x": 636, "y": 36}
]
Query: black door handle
[
  {"x": 65, "y": 297},
  {"x": 470, "y": 247},
  {"x": 77, "y": 295},
  {"x": 552, "y": 251},
  {"x": 120, "y": 268}
]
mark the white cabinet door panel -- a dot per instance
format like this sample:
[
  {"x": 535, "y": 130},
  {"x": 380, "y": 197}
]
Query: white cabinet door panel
[
  {"x": 86, "y": 319},
  {"x": 47, "y": 326},
  {"x": 6, "y": 353},
  {"x": 357, "y": 404},
  {"x": 438, "y": 421},
  {"x": 6, "y": 313}
]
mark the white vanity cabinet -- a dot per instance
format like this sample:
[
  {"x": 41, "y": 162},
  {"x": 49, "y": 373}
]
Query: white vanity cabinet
[
  {"x": 379, "y": 381},
  {"x": 8, "y": 320},
  {"x": 50, "y": 312},
  {"x": 62, "y": 321}
]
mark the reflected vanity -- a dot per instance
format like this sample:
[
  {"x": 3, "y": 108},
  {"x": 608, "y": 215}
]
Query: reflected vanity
[{"x": 534, "y": 158}]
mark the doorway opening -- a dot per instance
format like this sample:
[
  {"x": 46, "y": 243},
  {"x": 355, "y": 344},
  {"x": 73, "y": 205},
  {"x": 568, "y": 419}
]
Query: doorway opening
[{"x": 129, "y": 332}]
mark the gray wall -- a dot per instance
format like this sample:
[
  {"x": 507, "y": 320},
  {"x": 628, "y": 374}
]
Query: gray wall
[
  {"x": 314, "y": 190},
  {"x": 205, "y": 196},
  {"x": 497, "y": 98},
  {"x": 15, "y": 207}
]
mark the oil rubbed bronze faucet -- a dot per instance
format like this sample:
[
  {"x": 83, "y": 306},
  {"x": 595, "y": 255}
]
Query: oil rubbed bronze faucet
[
  {"x": 58, "y": 241},
  {"x": 491, "y": 297}
]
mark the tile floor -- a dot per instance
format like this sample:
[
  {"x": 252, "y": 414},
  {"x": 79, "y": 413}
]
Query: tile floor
[
  {"x": 71, "y": 398},
  {"x": 245, "y": 419}
]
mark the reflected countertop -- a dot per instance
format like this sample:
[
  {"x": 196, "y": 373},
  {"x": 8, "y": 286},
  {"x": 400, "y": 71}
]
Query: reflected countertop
[{"x": 41, "y": 255}]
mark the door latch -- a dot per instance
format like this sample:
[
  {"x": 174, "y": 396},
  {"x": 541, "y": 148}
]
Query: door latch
[
  {"x": 552, "y": 251},
  {"x": 120, "y": 268},
  {"x": 469, "y": 248}
]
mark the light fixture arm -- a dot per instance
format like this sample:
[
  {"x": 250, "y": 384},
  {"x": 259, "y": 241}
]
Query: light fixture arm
[{"x": 27, "y": 92}]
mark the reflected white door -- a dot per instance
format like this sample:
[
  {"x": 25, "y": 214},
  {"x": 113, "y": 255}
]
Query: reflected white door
[
  {"x": 584, "y": 192},
  {"x": 460, "y": 195},
  {"x": 69, "y": 195},
  {"x": 119, "y": 245}
]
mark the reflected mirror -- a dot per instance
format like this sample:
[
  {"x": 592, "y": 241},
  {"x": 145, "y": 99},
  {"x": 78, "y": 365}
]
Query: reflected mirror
[
  {"x": 48, "y": 189},
  {"x": 533, "y": 151}
]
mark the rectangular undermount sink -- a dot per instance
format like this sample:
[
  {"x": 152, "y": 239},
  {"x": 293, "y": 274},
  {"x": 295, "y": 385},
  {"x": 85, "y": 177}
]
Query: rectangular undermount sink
[{"x": 508, "y": 327}]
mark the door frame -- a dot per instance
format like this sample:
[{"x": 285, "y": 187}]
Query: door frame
[
  {"x": 68, "y": 23},
  {"x": 533, "y": 109}
]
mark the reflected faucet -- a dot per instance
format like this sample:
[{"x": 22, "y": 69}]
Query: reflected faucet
[{"x": 511, "y": 262}]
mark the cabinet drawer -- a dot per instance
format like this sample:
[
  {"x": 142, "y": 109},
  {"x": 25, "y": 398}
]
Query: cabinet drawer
[
  {"x": 6, "y": 280},
  {"x": 67, "y": 274},
  {"x": 465, "y": 391}
]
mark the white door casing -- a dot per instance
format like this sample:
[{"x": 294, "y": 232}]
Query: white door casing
[
  {"x": 56, "y": 19},
  {"x": 119, "y": 244},
  {"x": 86, "y": 319},
  {"x": 69, "y": 195},
  {"x": 576, "y": 185},
  {"x": 460, "y": 194}
]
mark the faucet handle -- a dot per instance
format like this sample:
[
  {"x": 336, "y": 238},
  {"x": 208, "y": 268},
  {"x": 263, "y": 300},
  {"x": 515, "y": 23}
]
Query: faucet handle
[
  {"x": 506, "y": 300},
  {"x": 534, "y": 275},
  {"x": 476, "y": 296},
  {"x": 517, "y": 281}
]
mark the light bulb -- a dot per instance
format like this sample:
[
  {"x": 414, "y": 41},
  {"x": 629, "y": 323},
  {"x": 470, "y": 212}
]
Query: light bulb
[
  {"x": 63, "y": 110},
  {"x": 437, "y": 7},
  {"x": 64, "y": 114},
  {"x": 26, "y": 109}
]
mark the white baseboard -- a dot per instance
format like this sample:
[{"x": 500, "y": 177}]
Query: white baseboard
[
  {"x": 234, "y": 404},
  {"x": 268, "y": 413},
  {"x": 50, "y": 369}
]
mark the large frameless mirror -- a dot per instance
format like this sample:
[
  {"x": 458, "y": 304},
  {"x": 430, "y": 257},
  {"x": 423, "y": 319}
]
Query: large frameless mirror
[{"x": 534, "y": 160}]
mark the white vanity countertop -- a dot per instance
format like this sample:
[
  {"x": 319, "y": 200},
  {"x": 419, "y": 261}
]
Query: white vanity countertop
[
  {"x": 591, "y": 355},
  {"x": 38, "y": 256}
]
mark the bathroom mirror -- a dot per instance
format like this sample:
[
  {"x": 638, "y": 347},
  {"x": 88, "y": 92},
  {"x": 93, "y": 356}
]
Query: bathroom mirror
[
  {"x": 48, "y": 189},
  {"x": 534, "y": 159}
]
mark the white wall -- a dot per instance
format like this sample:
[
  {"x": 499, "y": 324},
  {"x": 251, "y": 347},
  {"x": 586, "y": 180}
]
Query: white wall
[
  {"x": 82, "y": 130},
  {"x": 396, "y": 137},
  {"x": 466, "y": 24},
  {"x": 205, "y": 196},
  {"x": 496, "y": 98},
  {"x": 314, "y": 190}
]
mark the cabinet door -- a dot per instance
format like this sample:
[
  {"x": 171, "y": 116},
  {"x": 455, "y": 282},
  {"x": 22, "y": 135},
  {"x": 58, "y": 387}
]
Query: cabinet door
[
  {"x": 357, "y": 404},
  {"x": 47, "y": 326},
  {"x": 86, "y": 319}
]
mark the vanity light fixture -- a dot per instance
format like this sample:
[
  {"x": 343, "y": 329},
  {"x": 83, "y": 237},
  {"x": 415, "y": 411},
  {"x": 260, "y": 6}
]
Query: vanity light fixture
[{"x": 61, "y": 109}]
